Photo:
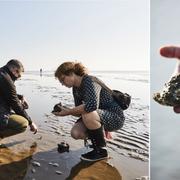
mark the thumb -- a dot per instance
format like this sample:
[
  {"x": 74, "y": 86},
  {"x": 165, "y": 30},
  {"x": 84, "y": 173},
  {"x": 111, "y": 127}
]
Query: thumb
[{"x": 176, "y": 109}]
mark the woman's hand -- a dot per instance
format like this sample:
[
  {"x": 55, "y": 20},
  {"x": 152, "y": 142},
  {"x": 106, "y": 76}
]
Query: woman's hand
[
  {"x": 76, "y": 111},
  {"x": 64, "y": 112}
]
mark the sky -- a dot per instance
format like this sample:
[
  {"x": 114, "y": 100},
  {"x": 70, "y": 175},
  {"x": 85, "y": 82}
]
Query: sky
[{"x": 102, "y": 34}]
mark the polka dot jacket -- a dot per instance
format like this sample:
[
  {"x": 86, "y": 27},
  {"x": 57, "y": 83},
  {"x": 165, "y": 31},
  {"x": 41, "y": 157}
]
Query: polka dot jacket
[{"x": 95, "y": 97}]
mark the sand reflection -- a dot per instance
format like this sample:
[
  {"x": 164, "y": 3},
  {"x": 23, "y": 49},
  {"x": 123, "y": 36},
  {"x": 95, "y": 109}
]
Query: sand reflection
[
  {"x": 13, "y": 164},
  {"x": 100, "y": 170}
]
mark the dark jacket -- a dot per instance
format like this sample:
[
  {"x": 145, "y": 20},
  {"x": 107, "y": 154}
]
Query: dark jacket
[{"x": 9, "y": 100}]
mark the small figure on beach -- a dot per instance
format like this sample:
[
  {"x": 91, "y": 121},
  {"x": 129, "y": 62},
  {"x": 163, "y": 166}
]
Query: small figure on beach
[
  {"x": 94, "y": 105},
  {"x": 170, "y": 95},
  {"x": 13, "y": 117},
  {"x": 40, "y": 72}
]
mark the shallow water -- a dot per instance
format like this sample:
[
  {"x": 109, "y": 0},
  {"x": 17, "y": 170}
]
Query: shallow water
[{"x": 132, "y": 140}]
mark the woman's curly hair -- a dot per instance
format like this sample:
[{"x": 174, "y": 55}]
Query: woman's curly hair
[{"x": 67, "y": 68}]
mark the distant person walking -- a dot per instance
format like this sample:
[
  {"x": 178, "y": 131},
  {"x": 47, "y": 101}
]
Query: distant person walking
[
  {"x": 94, "y": 106},
  {"x": 13, "y": 117},
  {"x": 40, "y": 72}
]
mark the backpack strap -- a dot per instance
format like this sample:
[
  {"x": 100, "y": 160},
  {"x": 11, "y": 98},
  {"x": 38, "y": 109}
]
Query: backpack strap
[{"x": 95, "y": 79}]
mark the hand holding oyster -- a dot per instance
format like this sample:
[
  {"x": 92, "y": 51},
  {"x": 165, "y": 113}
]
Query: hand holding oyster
[
  {"x": 170, "y": 95},
  {"x": 57, "y": 108}
]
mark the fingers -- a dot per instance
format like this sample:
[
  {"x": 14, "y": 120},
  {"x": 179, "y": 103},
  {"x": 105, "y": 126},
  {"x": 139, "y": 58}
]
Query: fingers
[
  {"x": 35, "y": 131},
  {"x": 61, "y": 113},
  {"x": 176, "y": 109},
  {"x": 170, "y": 52},
  {"x": 25, "y": 104},
  {"x": 33, "y": 128},
  {"x": 56, "y": 113}
]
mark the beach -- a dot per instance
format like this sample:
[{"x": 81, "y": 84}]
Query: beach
[{"x": 28, "y": 156}]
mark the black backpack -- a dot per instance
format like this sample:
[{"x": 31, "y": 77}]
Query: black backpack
[{"x": 122, "y": 99}]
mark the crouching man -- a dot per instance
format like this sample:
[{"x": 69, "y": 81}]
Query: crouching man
[{"x": 13, "y": 117}]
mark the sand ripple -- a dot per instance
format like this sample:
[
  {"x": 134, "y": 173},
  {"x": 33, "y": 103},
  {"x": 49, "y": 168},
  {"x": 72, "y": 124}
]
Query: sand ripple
[{"x": 132, "y": 140}]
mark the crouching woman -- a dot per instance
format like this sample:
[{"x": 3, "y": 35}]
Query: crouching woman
[{"x": 94, "y": 106}]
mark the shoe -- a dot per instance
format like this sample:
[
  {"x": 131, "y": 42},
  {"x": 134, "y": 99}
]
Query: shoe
[{"x": 95, "y": 155}]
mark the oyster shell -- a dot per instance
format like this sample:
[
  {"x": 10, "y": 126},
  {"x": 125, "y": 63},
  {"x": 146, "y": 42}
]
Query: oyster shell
[
  {"x": 170, "y": 95},
  {"x": 57, "y": 107}
]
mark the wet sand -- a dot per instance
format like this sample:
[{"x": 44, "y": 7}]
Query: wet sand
[{"x": 29, "y": 156}]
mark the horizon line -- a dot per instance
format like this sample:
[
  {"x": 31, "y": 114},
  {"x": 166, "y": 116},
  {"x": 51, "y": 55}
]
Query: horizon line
[{"x": 94, "y": 70}]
